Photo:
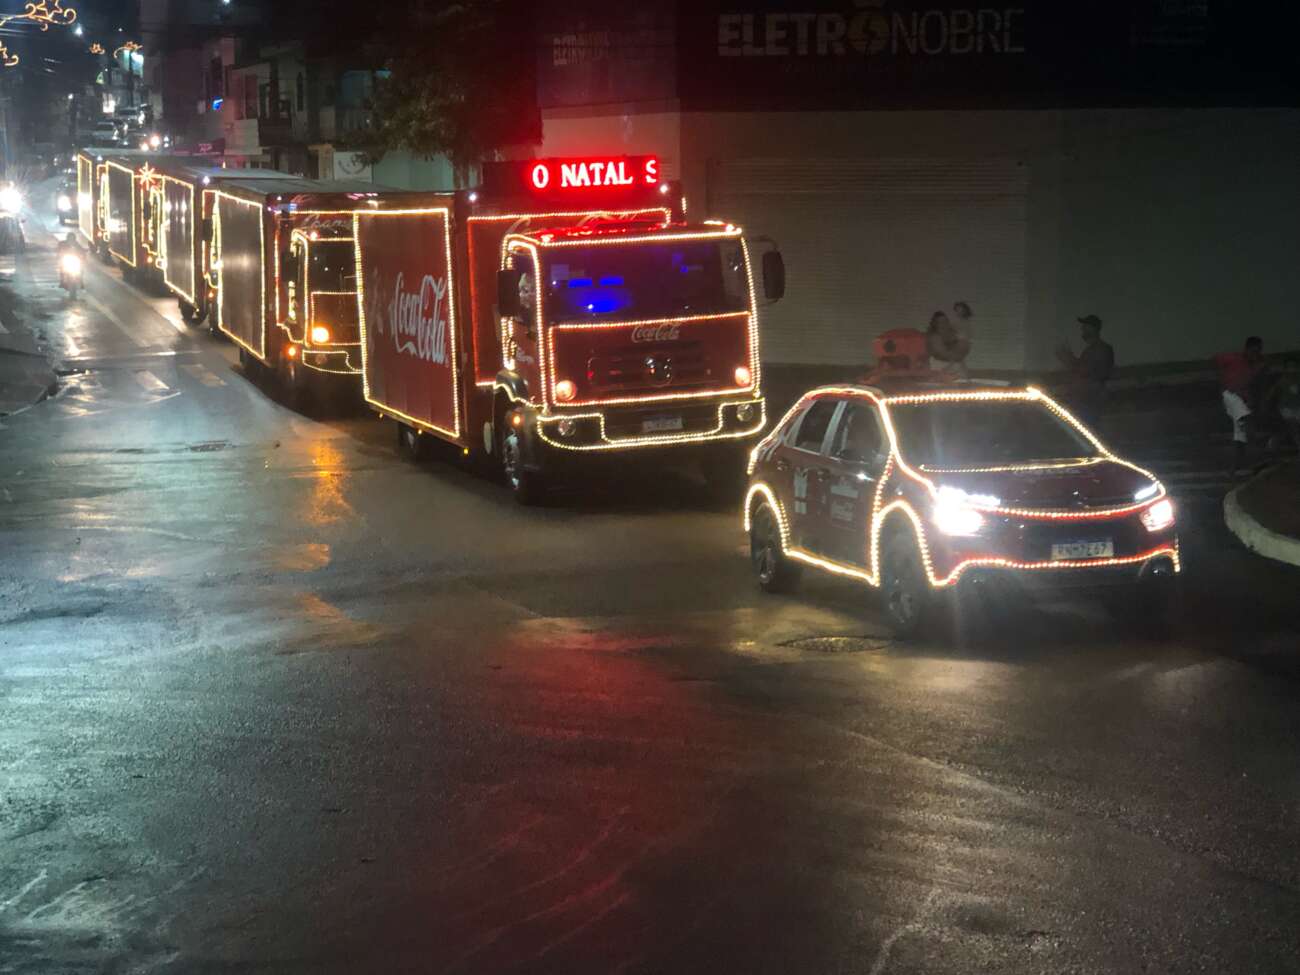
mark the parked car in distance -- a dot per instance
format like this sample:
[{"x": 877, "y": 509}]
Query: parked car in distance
[{"x": 924, "y": 489}]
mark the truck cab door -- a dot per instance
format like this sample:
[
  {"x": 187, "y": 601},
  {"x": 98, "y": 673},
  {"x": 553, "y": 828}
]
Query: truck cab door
[{"x": 295, "y": 288}]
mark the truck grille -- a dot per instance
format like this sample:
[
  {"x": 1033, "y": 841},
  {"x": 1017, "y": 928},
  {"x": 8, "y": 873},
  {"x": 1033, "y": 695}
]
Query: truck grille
[{"x": 645, "y": 368}]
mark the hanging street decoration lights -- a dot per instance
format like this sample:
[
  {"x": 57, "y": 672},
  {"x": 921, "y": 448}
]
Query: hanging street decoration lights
[{"x": 42, "y": 13}]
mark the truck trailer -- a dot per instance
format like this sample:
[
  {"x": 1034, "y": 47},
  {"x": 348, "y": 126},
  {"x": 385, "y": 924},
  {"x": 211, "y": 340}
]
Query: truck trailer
[
  {"x": 282, "y": 276},
  {"x": 564, "y": 310}
]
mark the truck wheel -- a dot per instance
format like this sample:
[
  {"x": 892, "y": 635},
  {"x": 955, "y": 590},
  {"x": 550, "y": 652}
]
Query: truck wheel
[
  {"x": 410, "y": 444},
  {"x": 527, "y": 486},
  {"x": 295, "y": 385},
  {"x": 189, "y": 313},
  {"x": 774, "y": 569},
  {"x": 904, "y": 586}
]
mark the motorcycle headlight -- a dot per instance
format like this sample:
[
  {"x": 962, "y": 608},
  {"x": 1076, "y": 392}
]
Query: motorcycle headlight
[
  {"x": 70, "y": 263},
  {"x": 64, "y": 202}
]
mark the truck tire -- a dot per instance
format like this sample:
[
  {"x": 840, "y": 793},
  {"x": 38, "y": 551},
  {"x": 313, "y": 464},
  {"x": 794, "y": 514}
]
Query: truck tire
[
  {"x": 410, "y": 444},
  {"x": 904, "y": 587},
  {"x": 774, "y": 569},
  {"x": 527, "y": 486},
  {"x": 189, "y": 313}
]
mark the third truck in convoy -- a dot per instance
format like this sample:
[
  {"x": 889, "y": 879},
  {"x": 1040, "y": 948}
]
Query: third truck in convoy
[{"x": 563, "y": 310}]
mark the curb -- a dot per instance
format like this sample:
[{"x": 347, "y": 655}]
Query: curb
[{"x": 1263, "y": 541}]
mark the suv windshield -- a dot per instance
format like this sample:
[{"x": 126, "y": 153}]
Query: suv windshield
[
  {"x": 644, "y": 281},
  {"x": 333, "y": 266},
  {"x": 984, "y": 433}
]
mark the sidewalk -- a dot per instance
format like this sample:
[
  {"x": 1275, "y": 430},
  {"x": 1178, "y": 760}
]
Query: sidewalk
[
  {"x": 1264, "y": 513},
  {"x": 25, "y": 373}
]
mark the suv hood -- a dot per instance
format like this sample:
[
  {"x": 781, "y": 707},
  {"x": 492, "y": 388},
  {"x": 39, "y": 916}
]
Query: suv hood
[{"x": 1086, "y": 483}]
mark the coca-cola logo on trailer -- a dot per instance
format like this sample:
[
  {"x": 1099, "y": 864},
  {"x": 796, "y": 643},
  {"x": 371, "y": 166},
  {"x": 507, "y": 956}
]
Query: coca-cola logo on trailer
[
  {"x": 657, "y": 333},
  {"x": 417, "y": 319}
]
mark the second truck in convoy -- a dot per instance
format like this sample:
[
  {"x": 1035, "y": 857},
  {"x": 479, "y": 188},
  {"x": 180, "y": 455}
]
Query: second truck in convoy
[{"x": 564, "y": 310}]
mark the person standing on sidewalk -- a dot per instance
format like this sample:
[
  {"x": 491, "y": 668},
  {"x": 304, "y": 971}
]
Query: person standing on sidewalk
[
  {"x": 945, "y": 344},
  {"x": 1239, "y": 374},
  {"x": 1090, "y": 370}
]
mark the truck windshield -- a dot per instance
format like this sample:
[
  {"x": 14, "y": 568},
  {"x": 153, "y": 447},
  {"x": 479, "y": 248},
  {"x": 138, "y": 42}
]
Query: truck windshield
[
  {"x": 984, "y": 433},
  {"x": 332, "y": 266},
  {"x": 647, "y": 280}
]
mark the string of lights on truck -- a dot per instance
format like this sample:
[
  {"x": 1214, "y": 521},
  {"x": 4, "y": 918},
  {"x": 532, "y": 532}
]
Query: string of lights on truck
[
  {"x": 218, "y": 263},
  {"x": 445, "y": 214},
  {"x": 516, "y": 242},
  {"x": 109, "y": 210},
  {"x": 664, "y": 212},
  {"x": 748, "y": 387},
  {"x": 880, "y": 512},
  {"x": 187, "y": 213},
  {"x": 654, "y": 440}
]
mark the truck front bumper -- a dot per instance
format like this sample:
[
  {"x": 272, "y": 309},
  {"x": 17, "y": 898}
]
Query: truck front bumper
[{"x": 654, "y": 425}]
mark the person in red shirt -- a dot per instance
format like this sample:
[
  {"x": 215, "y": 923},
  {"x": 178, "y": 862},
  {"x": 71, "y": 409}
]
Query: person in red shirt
[{"x": 1239, "y": 375}]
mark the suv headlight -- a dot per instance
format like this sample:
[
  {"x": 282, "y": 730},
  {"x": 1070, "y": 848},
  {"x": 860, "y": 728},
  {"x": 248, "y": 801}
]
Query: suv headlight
[{"x": 953, "y": 514}]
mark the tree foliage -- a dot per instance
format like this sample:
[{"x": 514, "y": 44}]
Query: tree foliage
[{"x": 458, "y": 81}]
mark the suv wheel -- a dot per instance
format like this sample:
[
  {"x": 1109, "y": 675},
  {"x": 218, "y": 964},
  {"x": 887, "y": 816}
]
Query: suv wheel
[
  {"x": 775, "y": 571},
  {"x": 904, "y": 587}
]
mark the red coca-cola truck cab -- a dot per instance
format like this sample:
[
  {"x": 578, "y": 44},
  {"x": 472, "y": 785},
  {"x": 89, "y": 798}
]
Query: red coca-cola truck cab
[
  {"x": 282, "y": 275},
  {"x": 564, "y": 309}
]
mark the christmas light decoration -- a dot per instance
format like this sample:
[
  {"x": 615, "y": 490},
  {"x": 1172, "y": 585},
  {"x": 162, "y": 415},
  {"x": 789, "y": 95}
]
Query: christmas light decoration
[
  {"x": 633, "y": 215},
  {"x": 444, "y": 213},
  {"x": 187, "y": 212},
  {"x": 717, "y": 432},
  {"x": 97, "y": 48},
  {"x": 684, "y": 320},
  {"x": 218, "y": 264},
  {"x": 1153, "y": 507},
  {"x": 111, "y": 164},
  {"x": 43, "y": 15},
  {"x": 130, "y": 47}
]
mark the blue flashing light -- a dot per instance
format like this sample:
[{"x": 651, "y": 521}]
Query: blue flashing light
[
  {"x": 611, "y": 282},
  {"x": 579, "y": 282},
  {"x": 217, "y": 103}
]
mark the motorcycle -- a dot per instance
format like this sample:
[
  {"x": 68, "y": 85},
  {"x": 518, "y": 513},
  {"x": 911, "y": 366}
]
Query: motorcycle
[{"x": 70, "y": 273}]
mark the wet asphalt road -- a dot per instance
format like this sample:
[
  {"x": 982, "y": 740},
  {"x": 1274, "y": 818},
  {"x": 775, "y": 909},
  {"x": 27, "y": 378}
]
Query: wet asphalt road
[{"x": 273, "y": 700}]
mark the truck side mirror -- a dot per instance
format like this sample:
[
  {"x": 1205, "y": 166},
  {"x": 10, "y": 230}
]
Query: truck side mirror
[
  {"x": 773, "y": 275},
  {"x": 508, "y": 292}
]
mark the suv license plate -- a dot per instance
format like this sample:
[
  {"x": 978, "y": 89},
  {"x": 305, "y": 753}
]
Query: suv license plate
[
  {"x": 1099, "y": 549},
  {"x": 658, "y": 424}
]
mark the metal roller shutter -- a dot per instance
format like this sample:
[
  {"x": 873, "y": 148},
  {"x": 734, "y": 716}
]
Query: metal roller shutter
[{"x": 877, "y": 244}]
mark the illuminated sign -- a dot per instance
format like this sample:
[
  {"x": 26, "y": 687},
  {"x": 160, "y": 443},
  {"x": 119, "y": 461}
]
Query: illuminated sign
[{"x": 594, "y": 176}]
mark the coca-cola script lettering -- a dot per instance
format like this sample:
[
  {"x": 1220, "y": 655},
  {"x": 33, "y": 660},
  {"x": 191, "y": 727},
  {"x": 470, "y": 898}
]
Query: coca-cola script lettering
[
  {"x": 417, "y": 320},
  {"x": 656, "y": 333}
]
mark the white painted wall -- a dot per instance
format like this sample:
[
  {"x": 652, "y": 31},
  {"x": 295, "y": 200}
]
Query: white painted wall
[{"x": 1180, "y": 228}]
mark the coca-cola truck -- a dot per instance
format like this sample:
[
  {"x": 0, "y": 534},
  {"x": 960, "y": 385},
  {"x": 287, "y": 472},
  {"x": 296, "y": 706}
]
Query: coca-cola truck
[
  {"x": 563, "y": 310},
  {"x": 178, "y": 214},
  {"x": 282, "y": 275}
]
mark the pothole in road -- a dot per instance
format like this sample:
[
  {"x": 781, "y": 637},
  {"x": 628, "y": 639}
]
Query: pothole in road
[{"x": 839, "y": 644}]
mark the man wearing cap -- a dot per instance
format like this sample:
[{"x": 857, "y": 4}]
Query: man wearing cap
[{"x": 1090, "y": 369}]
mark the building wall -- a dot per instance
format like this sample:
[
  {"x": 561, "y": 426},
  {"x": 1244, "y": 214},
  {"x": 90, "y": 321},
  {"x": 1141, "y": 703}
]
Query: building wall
[{"x": 1177, "y": 227}]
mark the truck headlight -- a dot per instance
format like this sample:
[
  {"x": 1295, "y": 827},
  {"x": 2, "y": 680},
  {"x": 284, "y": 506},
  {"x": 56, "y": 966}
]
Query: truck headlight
[
  {"x": 319, "y": 334},
  {"x": 743, "y": 376},
  {"x": 1159, "y": 516},
  {"x": 566, "y": 427},
  {"x": 745, "y": 412},
  {"x": 565, "y": 390}
]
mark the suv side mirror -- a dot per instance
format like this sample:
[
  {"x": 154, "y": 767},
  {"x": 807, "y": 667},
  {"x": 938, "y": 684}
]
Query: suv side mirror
[
  {"x": 773, "y": 275},
  {"x": 508, "y": 292}
]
